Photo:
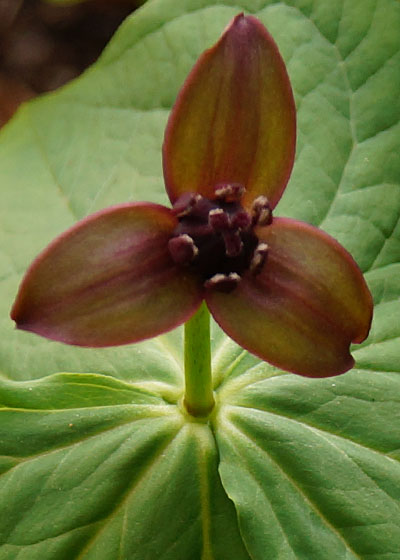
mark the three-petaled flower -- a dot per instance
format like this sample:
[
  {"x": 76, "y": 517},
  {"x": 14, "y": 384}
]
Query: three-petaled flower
[{"x": 282, "y": 289}]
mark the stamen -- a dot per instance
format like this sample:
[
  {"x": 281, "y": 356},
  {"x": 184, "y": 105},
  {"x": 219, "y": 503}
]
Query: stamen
[
  {"x": 259, "y": 257},
  {"x": 185, "y": 204},
  {"x": 202, "y": 208},
  {"x": 182, "y": 249},
  {"x": 223, "y": 282},
  {"x": 218, "y": 219},
  {"x": 230, "y": 192},
  {"x": 241, "y": 220},
  {"x": 261, "y": 211},
  {"x": 233, "y": 243}
]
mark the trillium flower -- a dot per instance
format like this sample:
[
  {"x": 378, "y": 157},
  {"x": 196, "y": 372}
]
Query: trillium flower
[{"x": 284, "y": 290}]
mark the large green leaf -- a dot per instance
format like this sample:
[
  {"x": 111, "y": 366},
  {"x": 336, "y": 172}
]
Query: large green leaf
[
  {"x": 311, "y": 465},
  {"x": 94, "y": 469}
]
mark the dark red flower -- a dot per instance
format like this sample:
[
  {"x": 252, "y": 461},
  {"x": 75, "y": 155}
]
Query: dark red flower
[{"x": 282, "y": 289}]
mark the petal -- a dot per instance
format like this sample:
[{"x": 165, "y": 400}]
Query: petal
[
  {"x": 306, "y": 306},
  {"x": 234, "y": 119},
  {"x": 108, "y": 280}
]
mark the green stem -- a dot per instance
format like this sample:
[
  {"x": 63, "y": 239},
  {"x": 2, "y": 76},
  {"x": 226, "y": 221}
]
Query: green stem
[{"x": 199, "y": 399}]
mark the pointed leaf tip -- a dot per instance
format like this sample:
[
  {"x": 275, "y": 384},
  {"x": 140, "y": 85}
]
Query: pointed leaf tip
[
  {"x": 234, "y": 119},
  {"x": 108, "y": 280}
]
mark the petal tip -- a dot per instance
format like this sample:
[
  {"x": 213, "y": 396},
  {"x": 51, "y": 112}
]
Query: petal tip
[
  {"x": 16, "y": 315},
  {"x": 346, "y": 366},
  {"x": 242, "y": 22}
]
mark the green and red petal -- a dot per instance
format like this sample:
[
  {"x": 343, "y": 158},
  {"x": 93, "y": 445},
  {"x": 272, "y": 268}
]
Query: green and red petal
[
  {"x": 108, "y": 280},
  {"x": 234, "y": 119},
  {"x": 304, "y": 309}
]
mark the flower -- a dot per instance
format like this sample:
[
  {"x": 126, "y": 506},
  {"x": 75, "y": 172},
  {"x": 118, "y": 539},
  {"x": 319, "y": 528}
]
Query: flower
[{"x": 282, "y": 289}]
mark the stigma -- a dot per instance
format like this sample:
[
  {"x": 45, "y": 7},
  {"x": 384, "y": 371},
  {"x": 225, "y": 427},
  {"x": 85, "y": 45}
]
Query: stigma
[{"x": 215, "y": 238}]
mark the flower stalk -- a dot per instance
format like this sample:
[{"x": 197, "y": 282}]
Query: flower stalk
[{"x": 199, "y": 398}]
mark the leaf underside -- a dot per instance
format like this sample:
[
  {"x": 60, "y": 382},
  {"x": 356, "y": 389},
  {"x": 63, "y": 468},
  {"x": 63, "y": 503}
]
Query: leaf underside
[{"x": 104, "y": 465}]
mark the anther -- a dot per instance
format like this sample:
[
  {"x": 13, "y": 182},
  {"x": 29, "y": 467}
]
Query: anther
[
  {"x": 261, "y": 211},
  {"x": 185, "y": 204},
  {"x": 182, "y": 249},
  {"x": 241, "y": 220},
  {"x": 233, "y": 243},
  {"x": 230, "y": 192},
  {"x": 218, "y": 219},
  {"x": 259, "y": 257},
  {"x": 223, "y": 282}
]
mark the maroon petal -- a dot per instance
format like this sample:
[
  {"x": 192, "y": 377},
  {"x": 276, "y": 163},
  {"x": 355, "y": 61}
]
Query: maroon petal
[
  {"x": 108, "y": 280},
  {"x": 234, "y": 119},
  {"x": 304, "y": 309}
]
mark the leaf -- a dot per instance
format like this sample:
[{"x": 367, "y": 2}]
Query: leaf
[
  {"x": 98, "y": 142},
  {"x": 117, "y": 471},
  {"x": 309, "y": 467}
]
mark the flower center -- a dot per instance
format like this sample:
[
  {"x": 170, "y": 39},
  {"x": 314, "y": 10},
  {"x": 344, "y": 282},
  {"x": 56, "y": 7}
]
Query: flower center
[{"x": 216, "y": 239}]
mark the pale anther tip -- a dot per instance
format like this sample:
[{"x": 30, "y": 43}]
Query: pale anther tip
[
  {"x": 261, "y": 211},
  {"x": 218, "y": 219},
  {"x": 223, "y": 282},
  {"x": 229, "y": 191},
  {"x": 182, "y": 249},
  {"x": 259, "y": 257},
  {"x": 262, "y": 248}
]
